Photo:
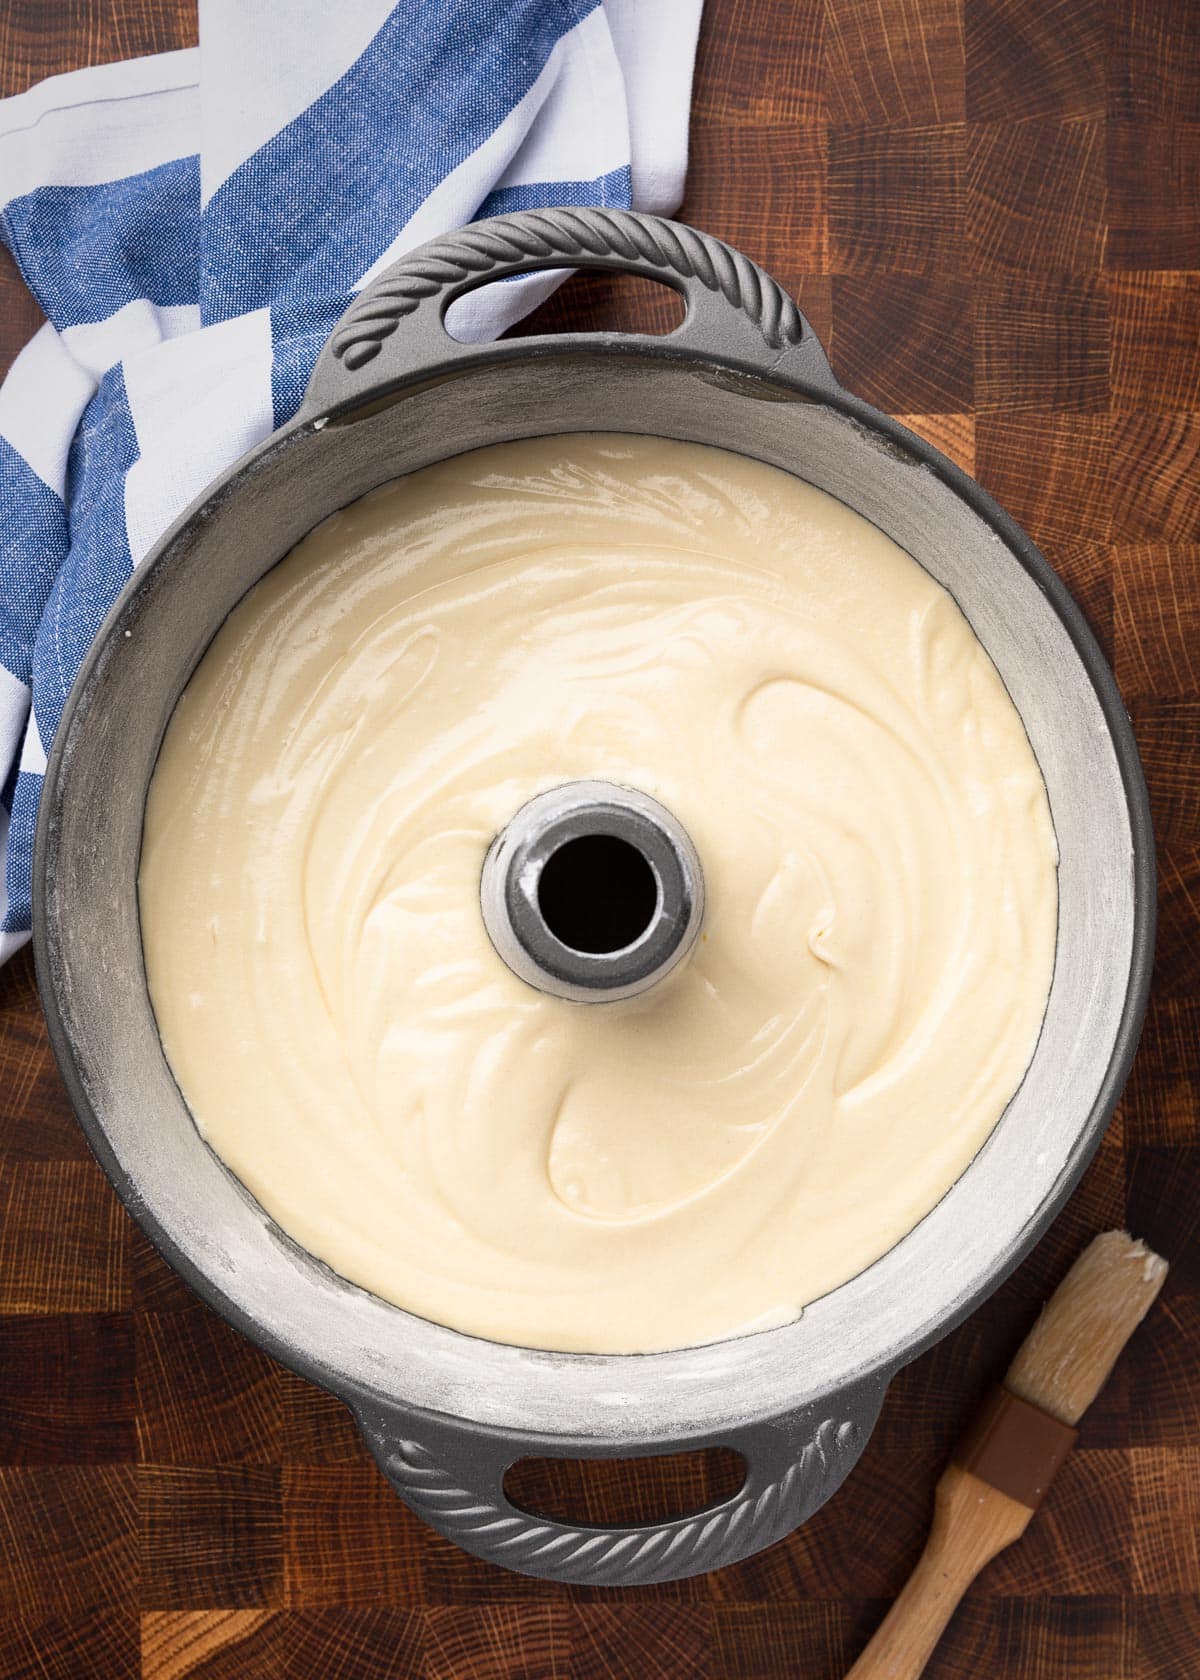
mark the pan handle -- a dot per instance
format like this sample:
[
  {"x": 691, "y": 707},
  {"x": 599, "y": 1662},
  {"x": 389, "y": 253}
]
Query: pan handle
[
  {"x": 452, "y": 1474},
  {"x": 394, "y": 332}
]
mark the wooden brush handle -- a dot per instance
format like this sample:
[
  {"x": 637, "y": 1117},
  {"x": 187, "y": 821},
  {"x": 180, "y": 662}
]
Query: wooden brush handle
[
  {"x": 972, "y": 1521},
  {"x": 1007, "y": 1459}
]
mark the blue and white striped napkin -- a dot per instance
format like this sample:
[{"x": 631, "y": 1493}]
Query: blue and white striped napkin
[{"x": 193, "y": 224}]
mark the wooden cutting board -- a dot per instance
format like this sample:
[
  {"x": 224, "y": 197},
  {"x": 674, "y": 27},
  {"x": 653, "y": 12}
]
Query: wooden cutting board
[{"x": 991, "y": 211}]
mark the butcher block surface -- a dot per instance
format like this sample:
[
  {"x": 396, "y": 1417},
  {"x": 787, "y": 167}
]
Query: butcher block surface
[{"x": 990, "y": 211}]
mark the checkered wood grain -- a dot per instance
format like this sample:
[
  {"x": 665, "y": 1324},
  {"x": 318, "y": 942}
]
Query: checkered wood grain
[{"x": 990, "y": 210}]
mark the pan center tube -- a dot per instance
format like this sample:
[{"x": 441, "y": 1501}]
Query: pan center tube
[{"x": 593, "y": 892}]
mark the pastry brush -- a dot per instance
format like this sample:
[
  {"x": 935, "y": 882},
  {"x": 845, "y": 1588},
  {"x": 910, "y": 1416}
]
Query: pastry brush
[{"x": 1003, "y": 1465}]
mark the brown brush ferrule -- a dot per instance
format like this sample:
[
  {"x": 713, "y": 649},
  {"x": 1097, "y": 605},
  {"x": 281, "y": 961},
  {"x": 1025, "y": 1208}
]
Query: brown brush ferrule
[{"x": 1015, "y": 1447}]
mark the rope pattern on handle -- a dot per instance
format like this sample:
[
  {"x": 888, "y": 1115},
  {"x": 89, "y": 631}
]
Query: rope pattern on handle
[
  {"x": 647, "y": 241},
  {"x": 633, "y": 1555}
]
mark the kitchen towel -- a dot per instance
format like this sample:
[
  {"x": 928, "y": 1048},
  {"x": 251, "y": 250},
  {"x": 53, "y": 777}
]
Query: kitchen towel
[{"x": 193, "y": 224}]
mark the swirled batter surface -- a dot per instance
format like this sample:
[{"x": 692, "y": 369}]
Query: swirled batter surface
[{"x": 878, "y": 854}]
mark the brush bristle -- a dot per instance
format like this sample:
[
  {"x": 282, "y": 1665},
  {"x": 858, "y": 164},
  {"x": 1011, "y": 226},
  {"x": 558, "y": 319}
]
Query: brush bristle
[{"x": 1065, "y": 1360}]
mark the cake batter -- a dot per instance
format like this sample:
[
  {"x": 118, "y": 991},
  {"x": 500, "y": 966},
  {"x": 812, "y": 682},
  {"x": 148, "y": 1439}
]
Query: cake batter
[{"x": 879, "y": 865}]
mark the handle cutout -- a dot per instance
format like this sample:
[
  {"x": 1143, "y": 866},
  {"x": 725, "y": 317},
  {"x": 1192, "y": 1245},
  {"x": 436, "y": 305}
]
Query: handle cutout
[
  {"x": 592, "y": 300},
  {"x": 616, "y": 1492}
]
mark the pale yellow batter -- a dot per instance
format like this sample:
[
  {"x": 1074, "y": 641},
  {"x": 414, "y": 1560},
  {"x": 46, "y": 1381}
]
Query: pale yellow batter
[{"x": 878, "y": 858}]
